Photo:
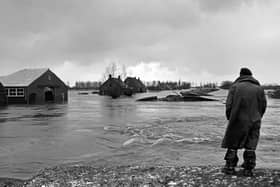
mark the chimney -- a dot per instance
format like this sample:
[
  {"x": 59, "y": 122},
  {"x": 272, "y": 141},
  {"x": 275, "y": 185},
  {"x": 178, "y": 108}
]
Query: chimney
[
  {"x": 110, "y": 76},
  {"x": 119, "y": 77}
]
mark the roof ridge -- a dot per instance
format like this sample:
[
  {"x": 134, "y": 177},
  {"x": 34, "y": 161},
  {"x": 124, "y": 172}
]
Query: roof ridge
[{"x": 23, "y": 77}]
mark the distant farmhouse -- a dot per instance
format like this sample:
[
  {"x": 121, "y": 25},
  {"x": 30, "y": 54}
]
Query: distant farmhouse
[
  {"x": 115, "y": 87},
  {"x": 136, "y": 85},
  {"x": 34, "y": 86}
]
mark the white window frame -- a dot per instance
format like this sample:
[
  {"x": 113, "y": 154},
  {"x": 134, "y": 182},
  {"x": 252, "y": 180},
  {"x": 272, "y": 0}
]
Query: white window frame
[
  {"x": 19, "y": 92},
  {"x": 14, "y": 91}
]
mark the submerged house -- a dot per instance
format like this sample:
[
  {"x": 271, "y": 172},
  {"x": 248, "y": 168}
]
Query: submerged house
[
  {"x": 34, "y": 86},
  {"x": 275, "y": 94},
  {"x": 136, "y": 85},
  {"x": 113, "y": 87},
  {"x": 3, "y": 97}
]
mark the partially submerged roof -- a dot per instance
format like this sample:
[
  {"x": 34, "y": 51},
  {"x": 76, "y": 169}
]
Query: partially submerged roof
[
  {"x": 22, "y": 78},
  {"x": 132, "y": 81},
  {"x": 113, "y": 80}
]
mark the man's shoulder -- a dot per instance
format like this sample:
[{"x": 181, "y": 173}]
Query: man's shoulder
[
  {"x": 247, "y": 87},
  {"x": 246, "y": 79}
]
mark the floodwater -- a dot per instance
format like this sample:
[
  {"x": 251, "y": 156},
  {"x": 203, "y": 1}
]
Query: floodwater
[{"x": 100, "y": 131}]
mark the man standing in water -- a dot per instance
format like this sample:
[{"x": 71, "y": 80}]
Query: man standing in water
[{"x": 245, "y": 107}]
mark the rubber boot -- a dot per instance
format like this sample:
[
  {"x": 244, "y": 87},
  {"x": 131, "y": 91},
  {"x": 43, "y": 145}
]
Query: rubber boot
[
  {"x": 249, "y": 164},
  {"x": 231, "y": 159}
]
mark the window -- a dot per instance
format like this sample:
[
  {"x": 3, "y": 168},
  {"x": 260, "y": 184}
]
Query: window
[
  {"x": 20, "y": 92},
  {"x": 15, "y": 92}
]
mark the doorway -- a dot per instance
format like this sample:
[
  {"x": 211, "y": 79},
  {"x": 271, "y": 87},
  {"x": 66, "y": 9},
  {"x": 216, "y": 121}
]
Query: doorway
[
  {"x": 32, "y": 98},
  {"x": 49, "y": 95}
]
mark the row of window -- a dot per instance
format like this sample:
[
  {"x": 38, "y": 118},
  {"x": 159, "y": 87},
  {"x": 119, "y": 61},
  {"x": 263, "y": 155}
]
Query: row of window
[{"x": 15, "y": 92}]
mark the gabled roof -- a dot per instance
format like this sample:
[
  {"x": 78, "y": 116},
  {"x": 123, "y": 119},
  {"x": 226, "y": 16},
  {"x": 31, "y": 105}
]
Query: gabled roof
[
  {"x": 133, "y": 82},
  {"x": 114, "y": 80},
  {"x": 22, "y": 78}
]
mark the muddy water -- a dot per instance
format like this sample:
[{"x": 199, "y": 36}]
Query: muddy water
[{"x": 101, "y": 131}]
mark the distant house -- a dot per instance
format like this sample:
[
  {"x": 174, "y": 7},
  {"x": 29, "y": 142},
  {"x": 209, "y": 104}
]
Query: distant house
[
  {"x": 3, "y": 97},
  {"x": 113, "y": 87},
  {"x": 34, "y": 86},
  {"x": 136, "y": 85}
]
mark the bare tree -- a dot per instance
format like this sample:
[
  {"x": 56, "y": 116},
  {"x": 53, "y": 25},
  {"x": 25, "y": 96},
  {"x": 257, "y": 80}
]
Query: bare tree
[
  {"x": 111, "y": 69},
  {"x": 123, "y": 72}
]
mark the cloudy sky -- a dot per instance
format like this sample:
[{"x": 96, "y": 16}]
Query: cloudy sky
[{"x": 192, "y": 40}]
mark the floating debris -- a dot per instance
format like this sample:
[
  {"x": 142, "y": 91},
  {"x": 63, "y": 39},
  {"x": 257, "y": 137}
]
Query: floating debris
[
  {"x": 275, "y": 94},
  {"x": 151, "y": 98},
  {"x": 178, "y": 98},
  {"x": 83, "y": 93},
  {"x": 95, "y": 92}
]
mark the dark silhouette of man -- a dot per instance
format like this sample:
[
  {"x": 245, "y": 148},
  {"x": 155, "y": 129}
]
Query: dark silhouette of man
[{"x": 245, "y": 107}]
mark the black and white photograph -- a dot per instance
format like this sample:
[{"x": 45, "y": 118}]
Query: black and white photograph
[{"x": 135, "y": 93}]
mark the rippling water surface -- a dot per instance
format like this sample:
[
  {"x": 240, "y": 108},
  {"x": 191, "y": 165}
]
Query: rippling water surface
[{"x": 101, "y": 131}]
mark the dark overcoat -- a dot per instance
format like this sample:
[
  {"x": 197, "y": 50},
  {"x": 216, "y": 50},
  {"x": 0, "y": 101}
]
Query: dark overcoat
[{"x": 245, "y": 107}]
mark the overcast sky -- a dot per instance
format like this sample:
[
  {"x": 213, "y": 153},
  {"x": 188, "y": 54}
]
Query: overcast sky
[{"x": 192, "y": 40}]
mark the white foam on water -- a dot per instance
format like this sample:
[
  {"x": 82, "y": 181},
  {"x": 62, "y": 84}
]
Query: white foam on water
[{"x": 136, "y": 140}]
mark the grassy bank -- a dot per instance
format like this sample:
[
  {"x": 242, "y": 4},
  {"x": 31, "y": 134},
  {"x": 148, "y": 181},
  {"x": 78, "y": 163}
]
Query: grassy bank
[{"x": 80, "y": 175}]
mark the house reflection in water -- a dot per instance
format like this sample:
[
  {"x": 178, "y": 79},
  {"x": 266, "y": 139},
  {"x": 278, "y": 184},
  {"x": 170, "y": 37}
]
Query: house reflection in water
[{"x": 34, "y": 86}]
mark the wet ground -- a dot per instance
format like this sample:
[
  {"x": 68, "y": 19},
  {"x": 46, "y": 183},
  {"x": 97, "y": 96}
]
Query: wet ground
[{"x": 145, "y": 176}]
